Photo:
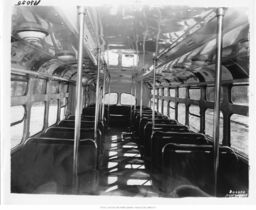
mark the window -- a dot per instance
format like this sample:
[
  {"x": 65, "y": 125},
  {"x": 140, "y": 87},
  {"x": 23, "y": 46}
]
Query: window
[
  {"x": 37, "y": 118},
  {"x": 194, "y": 118},
  {"x": 17, "y": 124},
  {"x": 53, "y": 87},
  {"x": 239, "y": 133},
  {"x": 19, "y": 87},
  {"x": 209, "y": 124},
  {"x": 129, "y": 60},
  {"x": 62, "y": 112},
  {"x": 182, "y": 92},
  {"x": 239, "y": 95},
  {"x": 63, "y": 107},
  {"x": 165, "y": 91},
  {"x": 53, "y": 110},
  {"x": 172, "y": 92},
  {"x": 195, "y": 94},
  {"x": 210, "y": 94},
  {"x": 39, "y": 87},
  {"x": 111, "y": 57},
  {"x": 127, "y": 99},
  {"x": 172, "y": 110},
  {"x": 159, "y": 106},
  {"x": 182, "y": 113},
  {"x": 160, "y": 92},
  {"x": 63, "y": 87},
  {"x": 165, "y": 107},
  {"x": 152, "y": 107},
  {"x": 110, "y": 98}
]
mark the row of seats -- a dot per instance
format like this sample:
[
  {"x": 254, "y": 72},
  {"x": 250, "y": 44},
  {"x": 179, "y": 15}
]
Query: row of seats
[
  {"x": 185, "y": 158},
  {"x": 49, "y": 158}
]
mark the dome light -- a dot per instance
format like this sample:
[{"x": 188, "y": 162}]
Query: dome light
[
  {"x": 65, "y": 55},
  {"x": 31, "y": 32}
]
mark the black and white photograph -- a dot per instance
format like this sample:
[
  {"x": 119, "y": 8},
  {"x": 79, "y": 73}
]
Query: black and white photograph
[{"x": 145, "y": 102}]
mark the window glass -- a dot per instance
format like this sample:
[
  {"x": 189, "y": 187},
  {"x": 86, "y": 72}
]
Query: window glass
[
  {"x": 110, "y": 98},
  {"x": 16, "y": 134},
  {"x": 153, "y": 104},
  {"x": 172, "y": 110},
  {"x": 181, "y": 113},
  {"x": 209, "y": 123},
  {"x": 53, "y": 110},
  {"x": 129, "y": 60},
  {"x": 182, "y": 92},
  {"x": 63, "y": 87},
  {"x": 37, "y": 118},
  {"x": 210, "y": 94},
  {"x": 239, "y": 95},
  {"x": 53, "y": 87},
  {"x": 63, "y": 102},
  {"x": 160, "y": 106},
  {"x": 39, "y": 87},
  {"x": 160, "y": 92},
  {"x": 127, "y": 99},
  {"x": 194, "y": 118},
  {"x": 19, "y": 88},
  {"x": 111, "y": 58},
  {"x": 17, "y": 114},
  {"x": 166, "y": 92},
  {"x": 165, "y": 107},
  {"x": 194, "y": 94},
  {"x": 239, "y": 133},
  {"x": 172, "y": 92},
  {"x": 62, "y": 113}
]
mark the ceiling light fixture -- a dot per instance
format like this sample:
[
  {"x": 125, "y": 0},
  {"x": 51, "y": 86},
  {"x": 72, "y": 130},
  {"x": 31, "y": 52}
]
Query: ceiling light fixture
[
  {"x": 31, "y": 32},
  {"x": 65, "y": 55}
]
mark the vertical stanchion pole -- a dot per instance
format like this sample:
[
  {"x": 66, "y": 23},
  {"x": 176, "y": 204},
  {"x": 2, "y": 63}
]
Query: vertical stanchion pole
[
  {"x": 81, "y": 14},
  {"x": 154, "y": 92},
  {"x": 103, "y": 95},
  {"x": 131, "y": 103},
  {"x": 109, "y": 98},
  {"x": 216, "y": 120},
  {"x": 154, "y": 71},
  {"x": 97, "y": 97},
  {"x": 141, "y": 97}
]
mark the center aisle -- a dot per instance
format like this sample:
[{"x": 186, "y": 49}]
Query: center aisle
[{"x": 123, "y": 171}]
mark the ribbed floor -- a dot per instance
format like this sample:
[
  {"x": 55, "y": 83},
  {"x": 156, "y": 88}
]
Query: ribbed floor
[{"x": 123, "y": 170}]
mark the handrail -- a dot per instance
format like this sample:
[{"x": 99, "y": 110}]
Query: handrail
[
  {"x": 237, "y": 82},
  {"x": 15, "y": 70}
]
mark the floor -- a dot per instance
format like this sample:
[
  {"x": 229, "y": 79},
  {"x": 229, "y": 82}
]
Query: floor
[{"x": 123, "y": 170}]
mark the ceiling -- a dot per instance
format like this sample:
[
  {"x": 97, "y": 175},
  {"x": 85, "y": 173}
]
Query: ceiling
[{"x": 142, "y": 30}]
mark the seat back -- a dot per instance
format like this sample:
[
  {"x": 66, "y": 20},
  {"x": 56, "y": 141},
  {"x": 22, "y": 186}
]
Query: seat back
[
  {"x": 160, "y": 139},
  {"x": 194, "y": 164},
  {"x": 42, "y": 160},
  {"x": 71, "y": 124}
]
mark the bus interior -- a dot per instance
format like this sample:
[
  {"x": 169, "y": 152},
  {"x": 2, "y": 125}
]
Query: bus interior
[{"x": 138, "y": 100}]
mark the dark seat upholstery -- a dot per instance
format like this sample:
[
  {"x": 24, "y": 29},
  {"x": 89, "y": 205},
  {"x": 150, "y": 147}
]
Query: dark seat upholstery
[
  {"x": 84, "y": 118},
  {"x": 160, "y": 139},
  {"x": 68, "y": 133},
  {"x": 44, "y": 160},
  {"x": 119, "y": 115},
  {"x": 71, "y": 124},
  {"x": 159, "y": 127},
  {"x": 194, "y": 164}
]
